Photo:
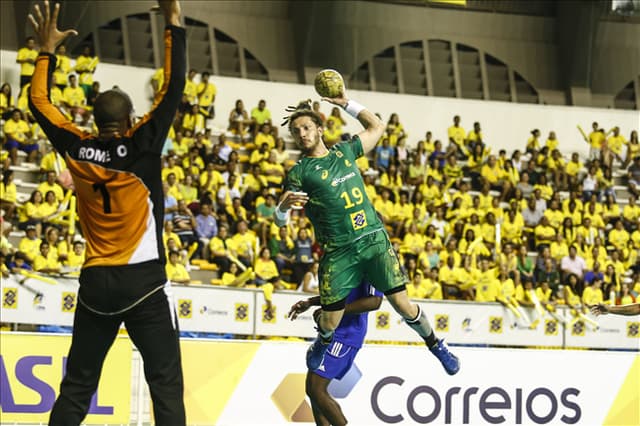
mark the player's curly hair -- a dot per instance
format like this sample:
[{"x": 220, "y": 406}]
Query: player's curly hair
[{"x": 303, "y": 109}]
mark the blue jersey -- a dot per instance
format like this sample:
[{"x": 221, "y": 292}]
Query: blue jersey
[{"x": 353, "y": 328}]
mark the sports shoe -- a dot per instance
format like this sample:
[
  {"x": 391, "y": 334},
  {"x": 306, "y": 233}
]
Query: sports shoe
[
  {"x": 448, "y": 360},
  {"x": 315, "y": 353}
]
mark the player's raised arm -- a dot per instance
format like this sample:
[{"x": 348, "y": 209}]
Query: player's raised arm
[
  {"x": 53, "y": 123},
  {"x": 373, "y": 126},
  {"x": 154, "y": 126}
]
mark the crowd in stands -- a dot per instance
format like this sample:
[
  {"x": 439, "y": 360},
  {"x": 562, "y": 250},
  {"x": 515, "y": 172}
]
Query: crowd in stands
[{"x": 536, "y": 227}]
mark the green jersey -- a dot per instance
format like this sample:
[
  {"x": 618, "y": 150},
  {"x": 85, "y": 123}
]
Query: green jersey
[{"x": 338, "y": 205}]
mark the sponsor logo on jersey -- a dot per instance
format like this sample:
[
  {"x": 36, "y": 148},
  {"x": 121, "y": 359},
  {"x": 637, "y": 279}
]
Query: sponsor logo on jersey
[
  {"x": 325, "y": 174},
  {"x": 342, "y": 179}
]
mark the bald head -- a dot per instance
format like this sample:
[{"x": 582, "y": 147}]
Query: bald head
[{"x": 112, "y": 107}]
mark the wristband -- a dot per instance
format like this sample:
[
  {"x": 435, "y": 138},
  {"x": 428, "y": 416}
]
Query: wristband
[
  {"x": 353, "y": 108},
  {"x": 280, "y": 215}
]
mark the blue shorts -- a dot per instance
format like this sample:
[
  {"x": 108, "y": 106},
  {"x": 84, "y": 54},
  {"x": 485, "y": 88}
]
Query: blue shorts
[
  {"x": 337, "y": 361},
  {"x": 11, "y": 143}
]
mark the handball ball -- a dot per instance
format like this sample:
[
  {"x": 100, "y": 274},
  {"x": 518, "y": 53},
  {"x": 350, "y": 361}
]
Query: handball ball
[{"x": 329, "y": 83}]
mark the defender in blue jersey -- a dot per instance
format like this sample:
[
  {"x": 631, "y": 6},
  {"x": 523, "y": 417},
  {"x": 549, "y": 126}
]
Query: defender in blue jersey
[{"x": 347, "y": 341}]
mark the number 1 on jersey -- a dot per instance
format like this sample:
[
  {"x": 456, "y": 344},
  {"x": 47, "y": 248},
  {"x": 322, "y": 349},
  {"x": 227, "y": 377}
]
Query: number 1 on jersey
[
  {"x": 357, "y": 194},
  {"x": 106, "y": 200}
]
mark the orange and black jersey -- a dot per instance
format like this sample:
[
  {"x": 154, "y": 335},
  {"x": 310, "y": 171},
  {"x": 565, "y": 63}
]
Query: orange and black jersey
[{"x": 118, "y": 181}]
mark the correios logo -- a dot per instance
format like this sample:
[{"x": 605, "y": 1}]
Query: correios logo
[
  {"x": 290, "y": 399},
  {"x": 496, "y": 405}
]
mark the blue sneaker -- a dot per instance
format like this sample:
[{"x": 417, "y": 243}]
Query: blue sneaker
[
  {"x": 315, "y": 353},
  {"x": 448, "y": 360}
]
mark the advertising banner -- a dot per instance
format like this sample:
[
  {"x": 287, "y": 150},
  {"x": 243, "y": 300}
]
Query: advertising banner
[
  {"x": 407, "y": 385},
  {"x": 32, "y": 367},
  {"x": 214, "y": 309}
]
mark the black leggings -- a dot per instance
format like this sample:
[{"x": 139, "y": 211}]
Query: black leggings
[{"x": 153, "y": 328}]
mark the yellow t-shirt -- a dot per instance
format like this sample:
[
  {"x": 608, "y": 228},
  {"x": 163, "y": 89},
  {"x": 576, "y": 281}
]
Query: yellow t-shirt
[
  {"x": 615, "y": 143},
  {"x": 74, "y": 260},
  {"x": 176, "y": 272},
  {"x": 8, "y": 193},
  {"x": 61, "y": 73},
  {"x": 266, "y": 167},
  {"x": 49, "y": 262},
  {"x": 85, "y": 66},
  {"x": 30, "y": 247},
  {"x": 457, "y": 134},
  {"x": 208, "y": 94},
  {"x": 573, "y": 168},
  {"x": 596, "y": 139},
  {"x": 592, "y": 296},
  {"x": 244, "y": 244},
  {"x": 16, "y": 130},
  {"x": 492, "y": 174},
  {"x": 190, "y": 91},
  {"x": 44, "y": 187},
  {"x": 552, "y": 144},
  {"x": 176, "y": 170},
  {"x": 7, "y": 103},
  {"x": 416, "y": 292},
  {"x": 262, "y": 138},
  {"x": 215, "y": 181},
  {"x": 158, "y": 77},
  {"x": 488, "y": 287},
  {"x": 26, "y": 53},
  {"x": 74, "y": 96},
  {"x": 266, "y": 269}
]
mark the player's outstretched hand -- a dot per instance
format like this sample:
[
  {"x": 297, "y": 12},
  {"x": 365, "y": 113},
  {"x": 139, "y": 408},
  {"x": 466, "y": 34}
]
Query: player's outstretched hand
[
  {"x": 171, "y": 11},
  {"x": 46, "y": 27},
  {"x": 298, "y": 308},
  {"x": 599, "y": 309},
  {"x": 341, "y": 100},
  {"x": 293, "y": 199}
]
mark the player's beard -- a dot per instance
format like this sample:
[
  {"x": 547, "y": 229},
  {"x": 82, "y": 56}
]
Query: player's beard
[{"x": 315, "y": 142}]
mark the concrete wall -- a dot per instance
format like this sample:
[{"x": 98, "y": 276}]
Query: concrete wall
[{"x": 290, "y": 37}]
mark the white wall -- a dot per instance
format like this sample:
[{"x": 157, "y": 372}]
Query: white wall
[{"x": 506, "y": 125}]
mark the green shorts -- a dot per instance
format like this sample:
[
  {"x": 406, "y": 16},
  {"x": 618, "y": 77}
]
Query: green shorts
[{"x": 370, "y": 258}]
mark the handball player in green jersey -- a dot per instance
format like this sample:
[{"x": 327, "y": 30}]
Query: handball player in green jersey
[{"x": 327, "y": 184}]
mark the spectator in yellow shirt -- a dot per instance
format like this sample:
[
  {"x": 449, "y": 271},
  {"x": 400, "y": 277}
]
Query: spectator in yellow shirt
[
  {"x": 416, "y": 288},
  {"x": 7, "y": 101},
  {"x": 488, "y": 286},
  {"x": 619, "y": 237},
  {"x": 176, "y": 272},
  {"x": 206, "y": 96},
  {"x": 27, "y": 58},
  {"x": 76, "y": 257},
  {"x": 157, "y": 80},
  {"x": 18, "y": 135},
  {"x": 552, "y": 142},
  {"x": 596, "y": 138},
  {"x": 261, "y": 115},
  {"x": 51, "y": 185},
  {"x": 266, "y": 269},
  {"x": 618, "y": 145},
  {"x": 86, "y": 65},
  {"x": 331, "y": 134},
  {"x": 46, "y": 262},
  {"x": 265, "y": 136},
  {"x": 495, "y": 176},
  {"x": 63, "y": 67},
  {"x": 456, "y": 134},
  {"x": 8, "y": 195}
]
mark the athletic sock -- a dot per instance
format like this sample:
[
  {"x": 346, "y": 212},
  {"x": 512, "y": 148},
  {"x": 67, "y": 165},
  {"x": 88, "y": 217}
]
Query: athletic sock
[
  {"x": 421, "y": 325},
  {"x": 326, "y": 336}
]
